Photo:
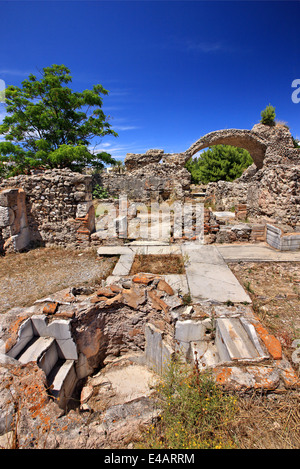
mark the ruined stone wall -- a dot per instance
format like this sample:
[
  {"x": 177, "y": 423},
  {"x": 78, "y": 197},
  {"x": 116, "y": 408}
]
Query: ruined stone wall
[
  {"x": 148, "y": 177},
  {"x": 58, "y": 205},
  {"x": 272, "y": 191},
  {"x": 142, "y": 187}
]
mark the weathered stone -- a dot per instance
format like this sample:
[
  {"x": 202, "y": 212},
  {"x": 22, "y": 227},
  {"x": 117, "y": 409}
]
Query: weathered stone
[
  {"x": 136, "y": 161},
  {"x": 143, "y": 278},
  {"x": 164, "y": 286},
  {"x": 272, "y": 344},
  {"x": 134, "y": 298},
  {"x": 48, "y": 211},
  {"x": 6, "y": 217},
  {"x": 107, "y": 292},
  {"x": 157, "y": 302},
  {"x": 50, "y": 308}
]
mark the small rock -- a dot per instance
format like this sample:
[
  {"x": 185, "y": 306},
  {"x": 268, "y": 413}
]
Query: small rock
[{"x": 164, "y": 286}]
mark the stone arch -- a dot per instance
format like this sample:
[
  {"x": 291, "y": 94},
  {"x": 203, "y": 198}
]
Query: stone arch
[{"x": 246, "y": 139}]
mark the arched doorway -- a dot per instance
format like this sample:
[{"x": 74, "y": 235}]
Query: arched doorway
[{"x": 246, "y": 139}]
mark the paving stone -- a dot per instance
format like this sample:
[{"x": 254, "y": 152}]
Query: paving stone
[
  {"x": 189, "y": 331},
  {"x": 124, "y": 264},
  {"x": 114, "y": 250},
  {"x": 178, "y": 283},
  {"x": 255, "y": 253},
  {"x": 203, "y": 254},
  {"x": 214, "y": 282}
]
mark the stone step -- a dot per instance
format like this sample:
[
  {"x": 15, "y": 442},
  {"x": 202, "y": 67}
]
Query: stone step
[
  {"x": 62, "y": 381},
  {"x": 237, "y": 341},
  {"x": 42, "y": 350}
]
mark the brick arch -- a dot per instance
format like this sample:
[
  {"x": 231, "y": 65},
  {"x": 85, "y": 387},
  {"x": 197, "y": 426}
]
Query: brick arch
[{"x": 246, "y": 139}]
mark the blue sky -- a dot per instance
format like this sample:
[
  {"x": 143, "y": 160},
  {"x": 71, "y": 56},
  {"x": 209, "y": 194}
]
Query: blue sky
[{"x": 176, "y": 70}]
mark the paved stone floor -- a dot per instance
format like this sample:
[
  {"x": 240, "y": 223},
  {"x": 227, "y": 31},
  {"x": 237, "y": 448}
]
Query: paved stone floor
[{"x": 242, "y": 353}]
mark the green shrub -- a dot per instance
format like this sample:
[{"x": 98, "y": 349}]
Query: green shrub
[
  {"x": 268, "y": 116},
  {"x": 195, "y": 412},
  {"x": 100, "y": 192},
  {"x": 219, "y": 163}
]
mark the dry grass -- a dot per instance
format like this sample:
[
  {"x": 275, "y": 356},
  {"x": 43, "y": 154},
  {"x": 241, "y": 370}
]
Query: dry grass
[
  {"x": 268, "y": 422},
  {"x": 272, "y": 421},
  {"x": 26, "y": 277},
  {"x": 275, "y": 292},
  {"x": 162, "y": 264}
]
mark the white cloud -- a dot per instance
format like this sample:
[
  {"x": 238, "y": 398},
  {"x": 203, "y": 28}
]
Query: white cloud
[
  {"x": 120, "y": 151},
  {"x": 125, "y": 127},
  {"x": 15, "y": 72}
]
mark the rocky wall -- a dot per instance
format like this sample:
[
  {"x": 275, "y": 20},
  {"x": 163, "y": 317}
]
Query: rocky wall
[
  {"x": 148, "y": 177},
  {"x": 271, "y": 192},
  {"x": 57, "y": 207}
]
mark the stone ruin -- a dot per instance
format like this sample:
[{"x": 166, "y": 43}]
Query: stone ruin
[
  {"x": 269, "y": 187},
  {"x": 56, "y": 207},
  {"x": 47, "y": 207},
  {"x": 137, "y": 322},
  {"x": 152, "y": 176}
]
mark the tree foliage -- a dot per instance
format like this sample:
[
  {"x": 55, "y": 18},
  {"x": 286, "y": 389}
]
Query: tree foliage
[
  {"x": 268, "y": 116},
  {"x": 49, "y": 125},
  {"x": 220, "y": 162}
]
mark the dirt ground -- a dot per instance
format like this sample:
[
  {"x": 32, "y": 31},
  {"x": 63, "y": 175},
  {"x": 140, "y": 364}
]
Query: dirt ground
[
  {"x": 29, "y": 276},
  {"x": 158, "y": 264},
  {"x": 272, "y": 421},
  {"x": 275, "y": 292},
  {"x": 263, "y": 421}
]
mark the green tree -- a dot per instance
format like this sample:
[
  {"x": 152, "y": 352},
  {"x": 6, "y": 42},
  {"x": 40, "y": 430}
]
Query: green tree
[
  {"x": 220, "y": 162},
  {"x": 268, "y": 116},
  {"x": 49, "y": 125}
]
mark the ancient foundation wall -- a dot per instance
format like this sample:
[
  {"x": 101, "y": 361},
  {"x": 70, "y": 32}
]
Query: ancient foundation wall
[
  {"x": 272, "y": 193},
  {"x": 150, "y": 186},
  {"x": 51, "y": 207}
]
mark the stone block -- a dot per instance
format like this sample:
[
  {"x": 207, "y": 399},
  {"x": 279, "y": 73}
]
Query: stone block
[
  {"x": 157, "y": 352},
  {"x": 233, "y": 342},
  {"x": 9, "y": 197},
  {"x": 36, "y": 350},
  {"x": 39, "y": 325},
  {"x": 124, "y": 265},
  {"x": 189, "y": 331},
  {"x": 25, "y": 334},
  {"x": 114, "y": 250},
  {"x": 21, "y": 240},
  {"x": 7, "y": 217},
  {"x": 83, "y": 208},
  {"x": 49, "y": 358},
  {"x": 64, "y": 383}
]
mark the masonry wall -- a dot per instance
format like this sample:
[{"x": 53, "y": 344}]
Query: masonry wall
[
  {"x": 155, "y": 183},
  {"x": 58, "y": 208},
  {"x": 272, "y": 192}
]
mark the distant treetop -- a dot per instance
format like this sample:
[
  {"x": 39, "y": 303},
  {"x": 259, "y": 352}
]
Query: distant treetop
[{"x": 268, "y": 116}]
